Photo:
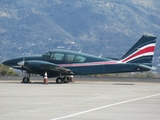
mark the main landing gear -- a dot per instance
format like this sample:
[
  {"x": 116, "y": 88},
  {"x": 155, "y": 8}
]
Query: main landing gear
[{"x": 61, "y": 80}]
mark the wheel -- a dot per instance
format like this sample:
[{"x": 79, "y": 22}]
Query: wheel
[
  {"x": 59, "y": 80},
  {"x": 66, "y": 79},
  {"x": 25, "y": 80}
]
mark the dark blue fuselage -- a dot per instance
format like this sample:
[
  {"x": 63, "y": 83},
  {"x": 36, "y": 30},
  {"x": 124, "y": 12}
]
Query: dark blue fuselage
[{"x": 78, "y": 63}]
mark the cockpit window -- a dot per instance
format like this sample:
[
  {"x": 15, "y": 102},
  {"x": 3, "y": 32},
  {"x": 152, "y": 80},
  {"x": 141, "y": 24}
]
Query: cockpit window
[
  {"x": 53, "y": 56},
  {"x": 79, "y": 59}
]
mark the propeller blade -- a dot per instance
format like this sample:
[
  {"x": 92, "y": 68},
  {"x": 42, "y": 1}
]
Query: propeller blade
[
  {"x": 21, "y": 63},
  {"x": 22, "y": 70},
  {"x": 24, "y": 58}
]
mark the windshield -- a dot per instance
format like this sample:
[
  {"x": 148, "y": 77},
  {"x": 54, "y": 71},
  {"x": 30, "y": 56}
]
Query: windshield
[{"x": 47, "y": 55}]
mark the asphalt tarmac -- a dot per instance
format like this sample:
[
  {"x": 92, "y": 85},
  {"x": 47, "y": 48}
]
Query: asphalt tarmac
[{"x": 82, "y": 100}]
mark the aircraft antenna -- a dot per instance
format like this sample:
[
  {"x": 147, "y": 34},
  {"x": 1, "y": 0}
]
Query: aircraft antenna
[
  {"x": 101, "y": 55},
  {"x": 80, "y": 51}
]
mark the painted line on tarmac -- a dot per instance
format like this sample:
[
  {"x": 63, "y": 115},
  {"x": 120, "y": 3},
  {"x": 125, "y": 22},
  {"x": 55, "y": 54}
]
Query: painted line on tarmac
[{"x": 106, "y": 106}]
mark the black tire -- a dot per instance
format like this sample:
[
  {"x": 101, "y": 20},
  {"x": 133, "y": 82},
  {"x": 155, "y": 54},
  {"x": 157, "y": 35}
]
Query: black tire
[
  {"x": 59, "y": 80},
  {"x": 25, "y": 80},
  {"x": 66, "y": 80}
]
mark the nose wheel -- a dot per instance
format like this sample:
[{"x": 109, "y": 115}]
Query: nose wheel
[{"x": 26, "y": 80}]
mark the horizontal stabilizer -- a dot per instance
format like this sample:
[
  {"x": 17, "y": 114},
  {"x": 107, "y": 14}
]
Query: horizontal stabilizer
[{"x": 148, "y": 67}]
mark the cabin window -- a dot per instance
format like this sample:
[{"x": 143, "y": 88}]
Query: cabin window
[
  {"x": 69, "y": 58},
  {"x": 79, "y": 59}
]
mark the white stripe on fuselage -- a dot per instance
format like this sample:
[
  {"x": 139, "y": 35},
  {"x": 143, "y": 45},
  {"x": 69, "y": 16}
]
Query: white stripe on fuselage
[{"x": 87, "y": 64}]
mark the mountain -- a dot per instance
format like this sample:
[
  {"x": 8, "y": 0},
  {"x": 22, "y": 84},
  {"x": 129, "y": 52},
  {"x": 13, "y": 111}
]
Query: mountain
[{"x": 95, "y": 26}]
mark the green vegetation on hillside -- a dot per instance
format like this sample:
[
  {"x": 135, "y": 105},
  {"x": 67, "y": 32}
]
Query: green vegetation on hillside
[
  {"x": 6, "y": 71},
  {"x": 96, "y": 26}
]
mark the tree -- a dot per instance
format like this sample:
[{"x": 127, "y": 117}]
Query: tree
[{"x": 6, "y": 71}]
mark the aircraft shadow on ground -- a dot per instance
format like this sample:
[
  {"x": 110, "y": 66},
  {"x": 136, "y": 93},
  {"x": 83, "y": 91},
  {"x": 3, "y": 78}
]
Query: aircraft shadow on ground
[
  {"x": 15, "y": 82},
  {"x": 123, "y": 84},
  {"x": 40, "y": 83}
]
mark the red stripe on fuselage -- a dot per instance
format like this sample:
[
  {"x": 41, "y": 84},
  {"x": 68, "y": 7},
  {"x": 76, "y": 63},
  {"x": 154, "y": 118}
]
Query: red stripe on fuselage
[
  {"x": 87, "y": 64},
  {"x": 145, "y": 50}
]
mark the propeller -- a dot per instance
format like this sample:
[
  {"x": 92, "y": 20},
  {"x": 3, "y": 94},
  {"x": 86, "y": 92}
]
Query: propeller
[{"x": 21, "y": 63}]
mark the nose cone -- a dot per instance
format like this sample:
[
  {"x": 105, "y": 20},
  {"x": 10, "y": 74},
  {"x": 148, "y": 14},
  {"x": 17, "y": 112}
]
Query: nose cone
[
  {"x": 5, "y": 63},
  {"x": 8, "y": 63}
]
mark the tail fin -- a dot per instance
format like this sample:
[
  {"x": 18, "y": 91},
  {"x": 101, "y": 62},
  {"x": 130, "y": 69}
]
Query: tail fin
[{"x": 142, "y": 51}]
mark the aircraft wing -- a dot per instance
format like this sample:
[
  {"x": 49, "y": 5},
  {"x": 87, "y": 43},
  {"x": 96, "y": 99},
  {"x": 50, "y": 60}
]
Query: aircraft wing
[
  {"x": 34, "y": 65},
  {"x": 61, "y": 70}
]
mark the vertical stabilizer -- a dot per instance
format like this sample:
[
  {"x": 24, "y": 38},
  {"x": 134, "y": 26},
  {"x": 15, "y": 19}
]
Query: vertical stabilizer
[{"x": 142, "y": 51}]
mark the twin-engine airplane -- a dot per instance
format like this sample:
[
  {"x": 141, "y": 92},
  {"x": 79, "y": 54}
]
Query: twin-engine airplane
[{"x": 62, "y": 63}]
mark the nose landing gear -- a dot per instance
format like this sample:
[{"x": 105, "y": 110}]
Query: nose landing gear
[{"x": 26, "y": 78}]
